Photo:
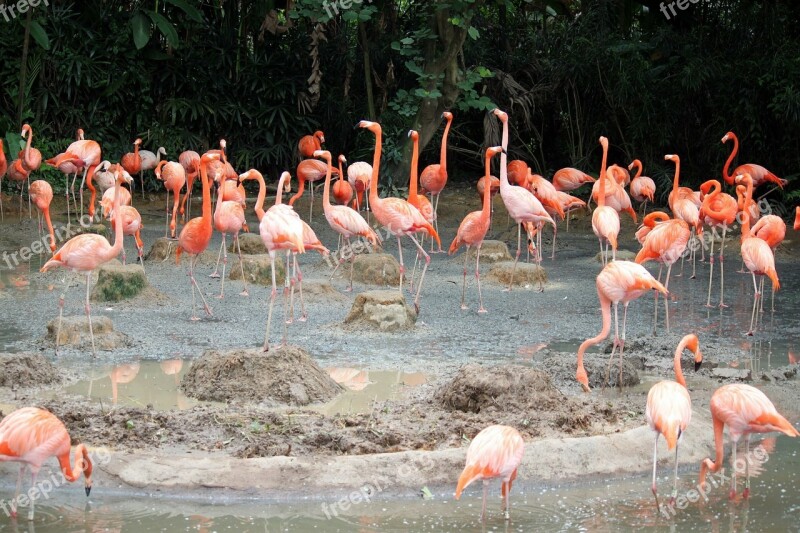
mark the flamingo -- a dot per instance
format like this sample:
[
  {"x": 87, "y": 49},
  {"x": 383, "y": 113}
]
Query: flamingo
[
  {"x": 344, "y": 220},
  {"x": 619, "y": 174},
  {"x": 84, "y": 253},
  {"x": 174, "y": 177},
  {"x": 31, "y": 436},
  {"x": 745, "y": 410},
  {"x": 399, "y": 217},
  {"x": 472, "y": 231},
  {"x": 568, "y": 179},
  {"x": 772, "y": 230},
  {"x": 518, "y": 172},
  {"x": 17, "y": 173},
  {"x": 90, "y": 153},
  {"x": 103, "y": 177},
  {"x": 521, "y": 204},
  {"x": 280, "y": 229},
  {"x": 131, "y": 226},
  {"x": 196, "y": 234},
  {"x": 496, "y": 451},
  {"x": 569, "y": 204},
  {"x": 619, "y": 281},
  {"x": 3, "y": 170},
  {"x": 605, "y": 219},
  {"x": 310, "y": 143},
  {"x": 616, "y": 197},
  {"x": 669, "y": 409},
  {"x": 149, "y": 162},
  {"x": 683, "y": 203},
  {"x": 494, "y": 188},
  {"x": 756, "y": 254},
  {"x": 342, "y": 190},
  {"x": 42, "y": 194},
  {"x": 759, "y": 174},
  {"x": 718, "y": 210},
  {"x": 642, "y": 188},
  {"x": 359, "y": 175},
  {"x": 31, "y": 159},
  {"x": 548, "y": 195},
  {"x": 132, "y": 162},
  {"x": 797, "y": 218},
  {"x": 747, "y": 204},
  {"x": 309, "y": 170},
  {"x": 648, "y": 223},
  {"x": 190, "y": 161},
  {"x": 228, "y": 218},
  {"x": 417, "y": 200},
  {"x": 665, "y": 243},
  {"x": 434, "y": 177}
]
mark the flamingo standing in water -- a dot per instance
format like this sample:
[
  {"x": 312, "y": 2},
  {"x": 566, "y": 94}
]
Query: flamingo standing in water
[
  {"x": 344, "y": 220},
  {"x": 642, "y": 188},
  {"x": 196, "y": 234},
  {"x": 174, "y": 177},
  {"x": 342, "y": 190},
  {"x": 399, "y": 217},
  {"x": 772, "y": 230},
  {"x": 717, "y": 210},
  {"x": 84, "y": 253},
  {"x": 759, "y": 174},
  {"x": 31, "y": 436},
  {"x": 605, "y": 219},
  {"x": 685, "y": 206},
  {"x": 521, "y": 204},
  {"x": 756, "y": 254},
  {"x": 619, "y": 281},
  {"x": 434, "y": 177},
  {"x": 665, "y": 243},
  {"x": 472, "y": 231},
  {"x": 42, "y": 194},
  {"x": 745, "y": 410},
  {"x": 310, "y": 143},
  {"x": 31, "y": 159},
  {"x": 669, "y": 409},
  {"x": 281, "y": 229},
  {"x": 568, "y": 179},
  {"x": 496, "y": 451},
  {"x": 190, "y": 161}
]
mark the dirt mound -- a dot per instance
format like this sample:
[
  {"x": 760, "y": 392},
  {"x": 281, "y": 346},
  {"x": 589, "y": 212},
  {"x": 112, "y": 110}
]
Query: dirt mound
[
  {"x": 116, "y": 282},
  {"x": 286, "y": 375},
  {"x": 27, "y": 370},
  {"x": 477, "y": 388},
  {"x": 525, "y": 275},
  {"x": 382, "y": 310},
  {"x": 75, "y": 333}
]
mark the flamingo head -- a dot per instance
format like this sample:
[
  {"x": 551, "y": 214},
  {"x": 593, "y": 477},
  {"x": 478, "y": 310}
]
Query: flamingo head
[
  {"x": 208, "y": 157},
  {"x": 323, "y": 154},
  {"x": 728, "y": 136},
  {"x": 743, "y": 179},
  {"x": 79, "y": 135},
  {"x": 603, "y": 142},
  {"x": 223, "y": 144},
  {"x": 162, "y": 150},
  {"x": 287, "y": 181},
  {"x": 319, "y": 135},
  {"x": 342, "y": 159},
  {"x": 635, "y": 163},
  {"x": 372, "y": 126},
  {"x": 502, "y": 115},
  {"x": 494, "y": 150},
  {"x": 26, "y": 129},
  {"x": 583, "y": 379},
  {"x": 137, "y": 142},
  {"x": 693, "y": 344},
  {"x": 672, "y": 157},
  {"x": 413, "y": 135},
  {"x": 447, "y": 115}
]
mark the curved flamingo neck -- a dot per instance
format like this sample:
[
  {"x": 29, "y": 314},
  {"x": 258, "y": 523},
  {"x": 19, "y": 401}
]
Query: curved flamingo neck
[
  {"x": 412, "y": 184},
  {"x": 677, "y": 361},
  {"x": 83, "y": 464},
  {"x": 220, "y": 194},
  {"x": 90, "y": 185},
  {"x": 638, "y": 165},
  {"x": 601, "y": 200},
  {"x": 748, "y": 197},
  {"x": 326, "y": 189},
  {"x": 726, "y": 169},
  {"x": 300, "y": 189},
  {"x": 341, "y": 171},
  {"x": 2, "y": 154},
  {"x": 504, "y": 156},
  {"x": 118, "y": 236},
  {"x": 27, "y": 154},
  {"x": 376, "y": 163},
  {"x": 605, "y": 309},
  {"x": 262, "y": 195},
  {"x": 676, "y": 178},
  {"x": 443, "y": 149},
  {"x": 655, "y": 217},
  {"x": 281, "y": 181},
  {"x": 159, "y": 168},
  {"x": 206, "y": 216},
  {"x": 46, "y": 213}
]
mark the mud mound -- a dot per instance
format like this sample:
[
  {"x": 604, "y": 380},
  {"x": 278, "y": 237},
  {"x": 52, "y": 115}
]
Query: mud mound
[
  {"x": 116, "y": 282},
  {"x": 382, "y": 310},
  {"x": 526, "y": 274},
  {"x": 26, "y": 370},
  {"x": 622, "y": 255},
  {"x": 477, "y": 388},
  {"x": 257, "y": 269},
  {"x": 250, "y": 243},
  {"x": 161, "y": 249},
  {"x": 491, "y": 252},
  {"x": 75, "y": 333},
  {"x": 563, "y": 367},
  {"x": 376, "y": 269},
  {"x": 286, "y": 375}
]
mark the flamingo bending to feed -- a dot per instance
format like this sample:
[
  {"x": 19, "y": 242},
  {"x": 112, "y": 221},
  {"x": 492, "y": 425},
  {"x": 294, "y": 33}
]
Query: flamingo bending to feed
[
  {"x": 605, "y": 219},
  {"x": 90, "y": 153},
  {"x": 31, "y": 436},
  {"x": 31, "y": 159},
  {"x": 174, "y": 177},
  {"x": 83, "y": 254},
  {"x": 568, "y": 179},
  {"x": 42, "y": 194},
  {"x": 521, "y": 204},
  {"x": 759, "y": 174},
  {"x": 398, "y": 216},
  {"x": 472, "y": 231},
  {"x": 310, "y": 143},
  {"x": 518, "y": 172},
  {"x": 344, "y": 220},
  {"x": 665, "y": 243},
  {"x": 619, "y": 281},
  {"x": 756, "y": 254},
  {"x": 684, "y": 205},
  {"x": 281, "y": 229},
  {"x": 342, "y": 190},
  {"x": 496, "y": 451},
  {"x": 196, "y": 234},
  {"x": 434, "y": 177},
  {"x": 619, "y": 174},
  {"x": 669, "y": 409},
  {"x": 642, "y": 188},
  {"x": 717, "y": 210},
  {"x": 745, "y": 410},
  {"x": 569, "y": 204},
  {"x": 309, "y": 170}
]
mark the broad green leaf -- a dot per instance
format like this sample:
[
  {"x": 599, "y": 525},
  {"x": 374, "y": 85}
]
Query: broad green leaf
[
  {"x": 473, "y": 33},
  {"x": 407, "y": 40},
  {"x": 165, "y": 27},
  {"x": 140, "y": 27},
  {"x": 38, "y": 33},
  {"x": 191, "y": 11}
]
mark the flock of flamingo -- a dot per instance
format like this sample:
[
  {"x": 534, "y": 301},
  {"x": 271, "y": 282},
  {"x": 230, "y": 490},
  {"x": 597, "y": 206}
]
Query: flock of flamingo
[{"x": 31, "y": 435}]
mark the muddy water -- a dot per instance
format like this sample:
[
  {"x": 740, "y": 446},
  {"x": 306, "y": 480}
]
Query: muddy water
[{"x": 599, "y": 505}]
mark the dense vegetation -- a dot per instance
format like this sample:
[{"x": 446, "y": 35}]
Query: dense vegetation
[{"x": 182, "y": 74}]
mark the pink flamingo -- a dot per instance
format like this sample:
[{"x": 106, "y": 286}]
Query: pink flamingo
[
  {"x": 344, "y": 220},
  {"x": 42, "y": 194},
  {"x": 342, "y": 190},
  {"x": 759, "y": 174},
  {"x": 684, "y": 205},
  {"x": 190, "y": 161},
  {"x": 90, "y": 153},
  {"x": 605, "y": 219},
  {"x": 434, "y": 177},
  {"x": 174, "y": 177},
  {"x": 84, "y": 253},
  {"x": 642, "y": 188},
  {"x": 229, "y": 218},
  {"x": 31, "y": 159},
  {"x": 718, "y": 210},
  {"x": 568, "y": 179}
]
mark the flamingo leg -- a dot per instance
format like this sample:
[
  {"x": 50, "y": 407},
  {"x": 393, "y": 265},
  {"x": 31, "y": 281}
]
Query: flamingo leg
[
  {"x": 402, "y": 268},
  {"x": 34, "y": 474},
  {"x": 614, "y": 346},
  {"x": 89, "y": 310},
  {"x": 436, "y": 220},
  {"x": 271, "y": 301},
  {"x": 141, "y": 178},
  {"x": 139, "y": 247},
  {"x": 414, "y": 271},
  {"x": 61, "y": 312},
  {"x": 80, "y": 189},
  {"x": 311, "y": 208},
  {"x": 241, "y": 265},
  {"x": 666, "y": 297},
  {"x": 464, "y": 284},
  {"x": 29, "y": 196},
  {"x": 292, "y": 281},
  {"x": 761, "y": 290},
  {"x": 485, "y": 496},
  {"x": 166, "y": 220},
  {"x": 602, "y": 253},
  {"x": 516, "y": 258},
  {"x": 424, "y": 269},
  {"x": 555, "y": 232},
  {"x": 196, "y": 286},
  {"x": 286, "y": 284},
  {"x": 299, "y": 276},
  {"x": 655, "y": 307},
  {"x": 732, "y": 493},
  {"x": 507, "y": 501},
  {"x": 655, "y": 463},
  {"x": 352, "y": 264},
  {"x": 215, "y": 274},
  {"x": 173, "y": 224},
  {"x": 710, "y": 272},
  {"x": 622, "y": 344},
  {"x": 746, "y": 492},
  {"x": 694, "y": 256},
  {"x": 481, "y": 308},
  {"x": 675, "y": 479},
  {"x": 755, "y": 306},
  {"x": 722, "y": 268},
  {"x": 224, "y": 250}
]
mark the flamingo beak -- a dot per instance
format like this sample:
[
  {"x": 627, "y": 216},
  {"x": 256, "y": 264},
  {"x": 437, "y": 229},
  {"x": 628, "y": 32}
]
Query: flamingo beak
[
  {"x": 88, "y": 490},
  {"x": 697, "y": 365}
]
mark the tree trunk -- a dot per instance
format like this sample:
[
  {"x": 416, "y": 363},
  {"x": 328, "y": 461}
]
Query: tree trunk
[
  {"x": 362, "y": 32},
  {"x": 23, "y": 68}
]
